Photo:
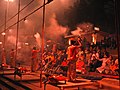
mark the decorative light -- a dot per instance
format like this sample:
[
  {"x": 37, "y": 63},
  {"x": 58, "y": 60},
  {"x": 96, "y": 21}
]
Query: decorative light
[
  {"x": 10, "y": 30},
  {"x": 3, "y": 33},
  {"x": 9, "y": 0},
  {"x": 96, "y": 28},
  {"x": 25, "y": 20},
  {"x": 19, "y": 47},
  {"x": 0, "y": 43},
  {"x": 26, "y": 43}
]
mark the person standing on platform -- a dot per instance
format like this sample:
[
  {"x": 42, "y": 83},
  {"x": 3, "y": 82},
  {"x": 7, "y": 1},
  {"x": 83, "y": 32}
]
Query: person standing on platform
[
  {"x": 72, "y": 51},
  {"x": 12, "y": 58},
  {"x": 34, "y": 62},
  {"x": 4, "y": 57}
]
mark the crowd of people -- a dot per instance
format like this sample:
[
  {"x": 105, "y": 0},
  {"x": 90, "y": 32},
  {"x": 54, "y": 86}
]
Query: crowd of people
[{"x": 77, "y": 58}]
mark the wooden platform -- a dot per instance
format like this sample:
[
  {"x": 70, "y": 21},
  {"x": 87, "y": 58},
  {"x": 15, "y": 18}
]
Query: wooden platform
[
  {"x": 25, "y": 77},
  {"x": 72, "y": 85},
  {"x": 112, "y": 84},
  {"x": 80, "y": 83}
]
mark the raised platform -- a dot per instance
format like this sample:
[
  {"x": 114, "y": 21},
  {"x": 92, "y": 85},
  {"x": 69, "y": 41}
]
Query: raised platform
[
  {"x": 25, "y": 77},
  {"x": 111, "y": 84},
  {"x": 68, "y": 85}
]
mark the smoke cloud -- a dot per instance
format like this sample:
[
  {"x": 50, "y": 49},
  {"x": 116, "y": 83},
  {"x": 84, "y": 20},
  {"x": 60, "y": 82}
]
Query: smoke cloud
[
  {"x": 12, "y": 40},
  {"x": 77, "y": 31},
  {"x": 30, "y": 32},
  {"x": 55, "y": 31},
  {"x": 38, "y": 39}
]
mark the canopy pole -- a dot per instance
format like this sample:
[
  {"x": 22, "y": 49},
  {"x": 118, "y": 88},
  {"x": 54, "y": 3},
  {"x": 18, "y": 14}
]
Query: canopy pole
[{"x": 43, "y": 28}]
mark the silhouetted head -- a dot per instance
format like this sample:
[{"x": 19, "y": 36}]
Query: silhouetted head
[
  {"x": 73, "y": 42},
  {"x": 34, "y": 48}
]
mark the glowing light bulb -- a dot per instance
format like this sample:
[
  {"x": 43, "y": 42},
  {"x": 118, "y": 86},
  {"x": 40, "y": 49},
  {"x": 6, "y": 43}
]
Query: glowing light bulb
[
  {"x": 3, "y": 33},
  {"x": 9, "y": 0}
]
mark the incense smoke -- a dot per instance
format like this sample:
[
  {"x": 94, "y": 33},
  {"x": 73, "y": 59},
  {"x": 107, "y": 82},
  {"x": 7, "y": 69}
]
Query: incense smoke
[
  {"x": 12, "y": 40},
  {"x": 55, "y": 31},
  {"x": 38, "y": 39},
  {"x": 77, "y": 31}
]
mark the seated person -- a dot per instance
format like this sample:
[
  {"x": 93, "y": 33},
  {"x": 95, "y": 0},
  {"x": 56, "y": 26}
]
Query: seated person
[
  {"x": 95, "y": 63},
  {"x": 64, "y": 66},
  {"x": 114, "y": 67},
  {"x": 80, "y": 65}
]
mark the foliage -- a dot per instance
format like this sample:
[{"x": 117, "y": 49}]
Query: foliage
[{"x": 98, "y": 12}]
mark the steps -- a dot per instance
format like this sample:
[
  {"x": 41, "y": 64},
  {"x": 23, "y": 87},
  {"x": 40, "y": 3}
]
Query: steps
[
  {"x": 2, "y": 87},
  {"x": 8, "y": 84}
]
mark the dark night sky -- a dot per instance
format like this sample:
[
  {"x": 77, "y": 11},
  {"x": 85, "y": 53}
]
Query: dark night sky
[{"x": 98, "y": 12}]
